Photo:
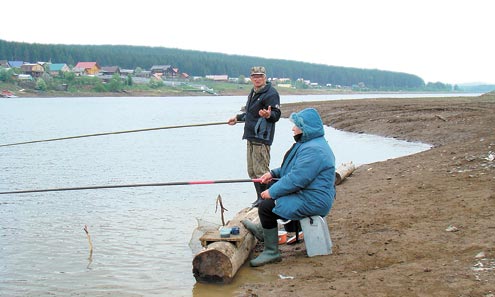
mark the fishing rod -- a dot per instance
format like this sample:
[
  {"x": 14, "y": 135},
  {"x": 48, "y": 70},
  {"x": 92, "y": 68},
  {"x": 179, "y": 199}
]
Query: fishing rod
[
  {"x": 116, "y": 132},
  {"x": 183, "y": 183}
]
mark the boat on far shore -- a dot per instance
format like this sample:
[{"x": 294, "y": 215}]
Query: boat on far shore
[{"x": 7, "y": 94}]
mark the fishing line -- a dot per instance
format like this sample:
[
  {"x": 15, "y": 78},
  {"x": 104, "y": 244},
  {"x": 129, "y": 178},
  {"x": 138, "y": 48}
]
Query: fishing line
[{"x": 116, "y": 132}]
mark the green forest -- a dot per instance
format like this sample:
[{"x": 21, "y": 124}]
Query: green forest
[{"x": 199, "y": 63}]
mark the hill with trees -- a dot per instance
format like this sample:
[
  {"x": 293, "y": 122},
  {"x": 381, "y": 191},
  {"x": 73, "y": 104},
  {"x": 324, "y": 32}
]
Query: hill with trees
[{"x": 199, "y": 63}]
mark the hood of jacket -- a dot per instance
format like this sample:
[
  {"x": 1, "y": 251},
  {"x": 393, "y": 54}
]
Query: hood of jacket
[{"x": 310, "y": 123}]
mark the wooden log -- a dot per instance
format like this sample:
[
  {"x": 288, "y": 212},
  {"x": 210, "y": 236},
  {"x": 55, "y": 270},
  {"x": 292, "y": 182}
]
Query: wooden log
[
  {"x": 221, "y": 257},
  {"x": 343, "y": 171}
]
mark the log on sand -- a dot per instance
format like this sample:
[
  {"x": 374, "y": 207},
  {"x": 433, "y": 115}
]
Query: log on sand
[
  {"x": 222, "y": 257},
  {"x": 343, "y": 171}
]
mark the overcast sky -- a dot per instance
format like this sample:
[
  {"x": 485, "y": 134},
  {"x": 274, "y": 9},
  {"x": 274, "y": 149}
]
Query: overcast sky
[{"x": 439, "y": 40}]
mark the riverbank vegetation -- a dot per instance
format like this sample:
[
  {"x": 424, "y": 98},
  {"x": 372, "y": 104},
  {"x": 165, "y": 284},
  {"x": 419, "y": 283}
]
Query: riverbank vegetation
[
  {"x": 67, "y": 84},
  {"x": 199, "y": 63},
  {"x": 190, "y": 72}
]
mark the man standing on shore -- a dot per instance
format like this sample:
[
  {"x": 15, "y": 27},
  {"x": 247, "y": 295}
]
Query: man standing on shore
[{"x": 260, "y": 114}]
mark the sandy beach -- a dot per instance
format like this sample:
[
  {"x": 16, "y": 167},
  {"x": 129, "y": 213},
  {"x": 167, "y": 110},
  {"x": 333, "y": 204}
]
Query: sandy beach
[{"x": 420, "y": 225}]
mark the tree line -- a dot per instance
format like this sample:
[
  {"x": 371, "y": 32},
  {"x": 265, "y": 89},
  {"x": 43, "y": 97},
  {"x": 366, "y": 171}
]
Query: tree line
[{"x": 200, "y": 63}]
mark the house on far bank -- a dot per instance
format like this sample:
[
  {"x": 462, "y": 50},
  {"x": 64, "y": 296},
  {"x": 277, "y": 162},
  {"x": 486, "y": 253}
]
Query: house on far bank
[
  {"x": 4, "y": 64},
  {"x": 110, "y": 70},
  {"x": 163, "y": 70},
  {"x": 126, "y": 72},
  {"x": 90, "y": 68},
  {"x": 15, "y": 64},
  {"x": 217, "y": 77},
  {"x": 143, "y": 74},
  {"x": 78, "y": 71},
  {"x": 35, "y": 70},
  {"x": 24, "y": 77},
  {"x": 56, "y": 68}
]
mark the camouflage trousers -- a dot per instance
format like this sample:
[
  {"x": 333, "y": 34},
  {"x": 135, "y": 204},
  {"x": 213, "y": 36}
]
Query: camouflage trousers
[{"x": 258, "y": 159}]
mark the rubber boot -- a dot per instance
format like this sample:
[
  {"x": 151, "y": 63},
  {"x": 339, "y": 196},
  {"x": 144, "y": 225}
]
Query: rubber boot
[
  {"x": 271, "y": 253},
  {"x": 256, "y": 229},
  {"x": 259, "y": 188}
]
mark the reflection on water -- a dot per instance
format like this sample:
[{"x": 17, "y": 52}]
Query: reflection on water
[
  {"x": 245, "y": 275},
  {"x": 140, "y": 236}
]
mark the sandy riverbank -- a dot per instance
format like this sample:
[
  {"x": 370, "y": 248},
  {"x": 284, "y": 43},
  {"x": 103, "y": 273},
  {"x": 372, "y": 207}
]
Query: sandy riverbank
[{"x": 420, "y": 225}]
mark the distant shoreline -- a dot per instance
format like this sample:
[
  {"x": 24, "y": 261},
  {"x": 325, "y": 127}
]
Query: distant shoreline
[{"x": 242, "y": 92}]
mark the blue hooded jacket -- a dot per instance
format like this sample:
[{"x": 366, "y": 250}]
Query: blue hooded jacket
[{"x": 307, "y": 175}]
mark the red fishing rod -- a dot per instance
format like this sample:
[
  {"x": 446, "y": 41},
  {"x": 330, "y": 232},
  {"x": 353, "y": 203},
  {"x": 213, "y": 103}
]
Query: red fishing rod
[{"x": 185, "y": 183}]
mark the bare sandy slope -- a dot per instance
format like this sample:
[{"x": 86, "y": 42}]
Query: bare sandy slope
[{"x": 390, "y": 220}]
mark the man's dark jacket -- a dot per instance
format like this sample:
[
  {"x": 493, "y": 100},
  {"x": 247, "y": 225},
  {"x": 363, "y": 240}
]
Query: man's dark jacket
[{"x": 256, "y": 128}]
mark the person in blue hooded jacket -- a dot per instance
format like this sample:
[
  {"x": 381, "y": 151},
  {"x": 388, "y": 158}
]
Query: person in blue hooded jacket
[{"x": 303, "y": 186}]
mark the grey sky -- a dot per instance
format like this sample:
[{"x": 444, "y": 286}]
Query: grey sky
[{"x": 441, "y": 40}]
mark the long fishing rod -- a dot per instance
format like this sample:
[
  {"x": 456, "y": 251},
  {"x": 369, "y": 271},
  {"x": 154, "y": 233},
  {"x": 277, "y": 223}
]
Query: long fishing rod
[
  {"x": 184, "y": 183},
  {"x": 116, "y": 132}
]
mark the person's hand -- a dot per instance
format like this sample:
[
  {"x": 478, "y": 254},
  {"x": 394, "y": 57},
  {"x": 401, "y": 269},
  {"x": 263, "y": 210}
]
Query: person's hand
[
  {"x": 266, "y": 178},
  {"x": 265, "y": 113},
  {"x": 266, "y": 194},
  {"x": 232, "y": 121}
]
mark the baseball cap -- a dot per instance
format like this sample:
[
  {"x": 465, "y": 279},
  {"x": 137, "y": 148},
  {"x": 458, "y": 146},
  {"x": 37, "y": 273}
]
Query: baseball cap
[{"x": 258, "y": 70}]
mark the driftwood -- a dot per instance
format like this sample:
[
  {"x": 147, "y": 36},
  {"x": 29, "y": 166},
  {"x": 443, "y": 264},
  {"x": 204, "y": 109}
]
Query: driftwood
[
  {"x": 440, "y": 117},
  {"x": 344, "y": 170},
  {"x": 221, "y": 257}
]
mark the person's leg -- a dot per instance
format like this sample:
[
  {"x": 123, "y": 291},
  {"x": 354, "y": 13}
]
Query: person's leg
[
  {"x": 255, "y": 228},
  {"x": 260, "y": 164},
  {"x": 261, "y": 159},
  {"x": 268, "y": 220},
  {"x": 250, "y": 160}
]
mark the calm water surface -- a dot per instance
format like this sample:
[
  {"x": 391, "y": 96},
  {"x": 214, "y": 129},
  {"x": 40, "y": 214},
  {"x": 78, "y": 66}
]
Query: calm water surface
[{"x": 140, "y": 236}]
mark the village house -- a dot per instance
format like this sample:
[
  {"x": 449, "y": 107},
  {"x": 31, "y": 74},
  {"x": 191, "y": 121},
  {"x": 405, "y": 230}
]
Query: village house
[
  {"x": 78, "y": 71},
  {"x": 217, "y": 77},
  {"x": 15, "y": 64},
  {"x": 35, "y": 70},
  {"x": 56, "y": 68},
  {"x": 126, "y": 72},
  {"x": 164, "y": 70},
  {"x": 89, "y": 68},
  {"x": 110, "y": 70},
  {"x": 143, "y": 74}
]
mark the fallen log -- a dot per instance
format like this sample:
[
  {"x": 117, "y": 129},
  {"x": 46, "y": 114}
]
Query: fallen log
[
  {"x": 343, "y": 171},
  {"x": 222, "y": 257}
]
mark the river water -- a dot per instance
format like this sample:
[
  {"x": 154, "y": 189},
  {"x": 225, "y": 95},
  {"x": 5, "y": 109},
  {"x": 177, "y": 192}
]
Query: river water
[{"x": 140, "y": 236}]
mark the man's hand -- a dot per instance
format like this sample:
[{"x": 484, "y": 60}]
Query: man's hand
[
  {"x": 266, "y": 194},
  {"x": 232, "y": 121},
  {"x": 265, "y": 113},
  {"x": 266, "y": 178}
]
